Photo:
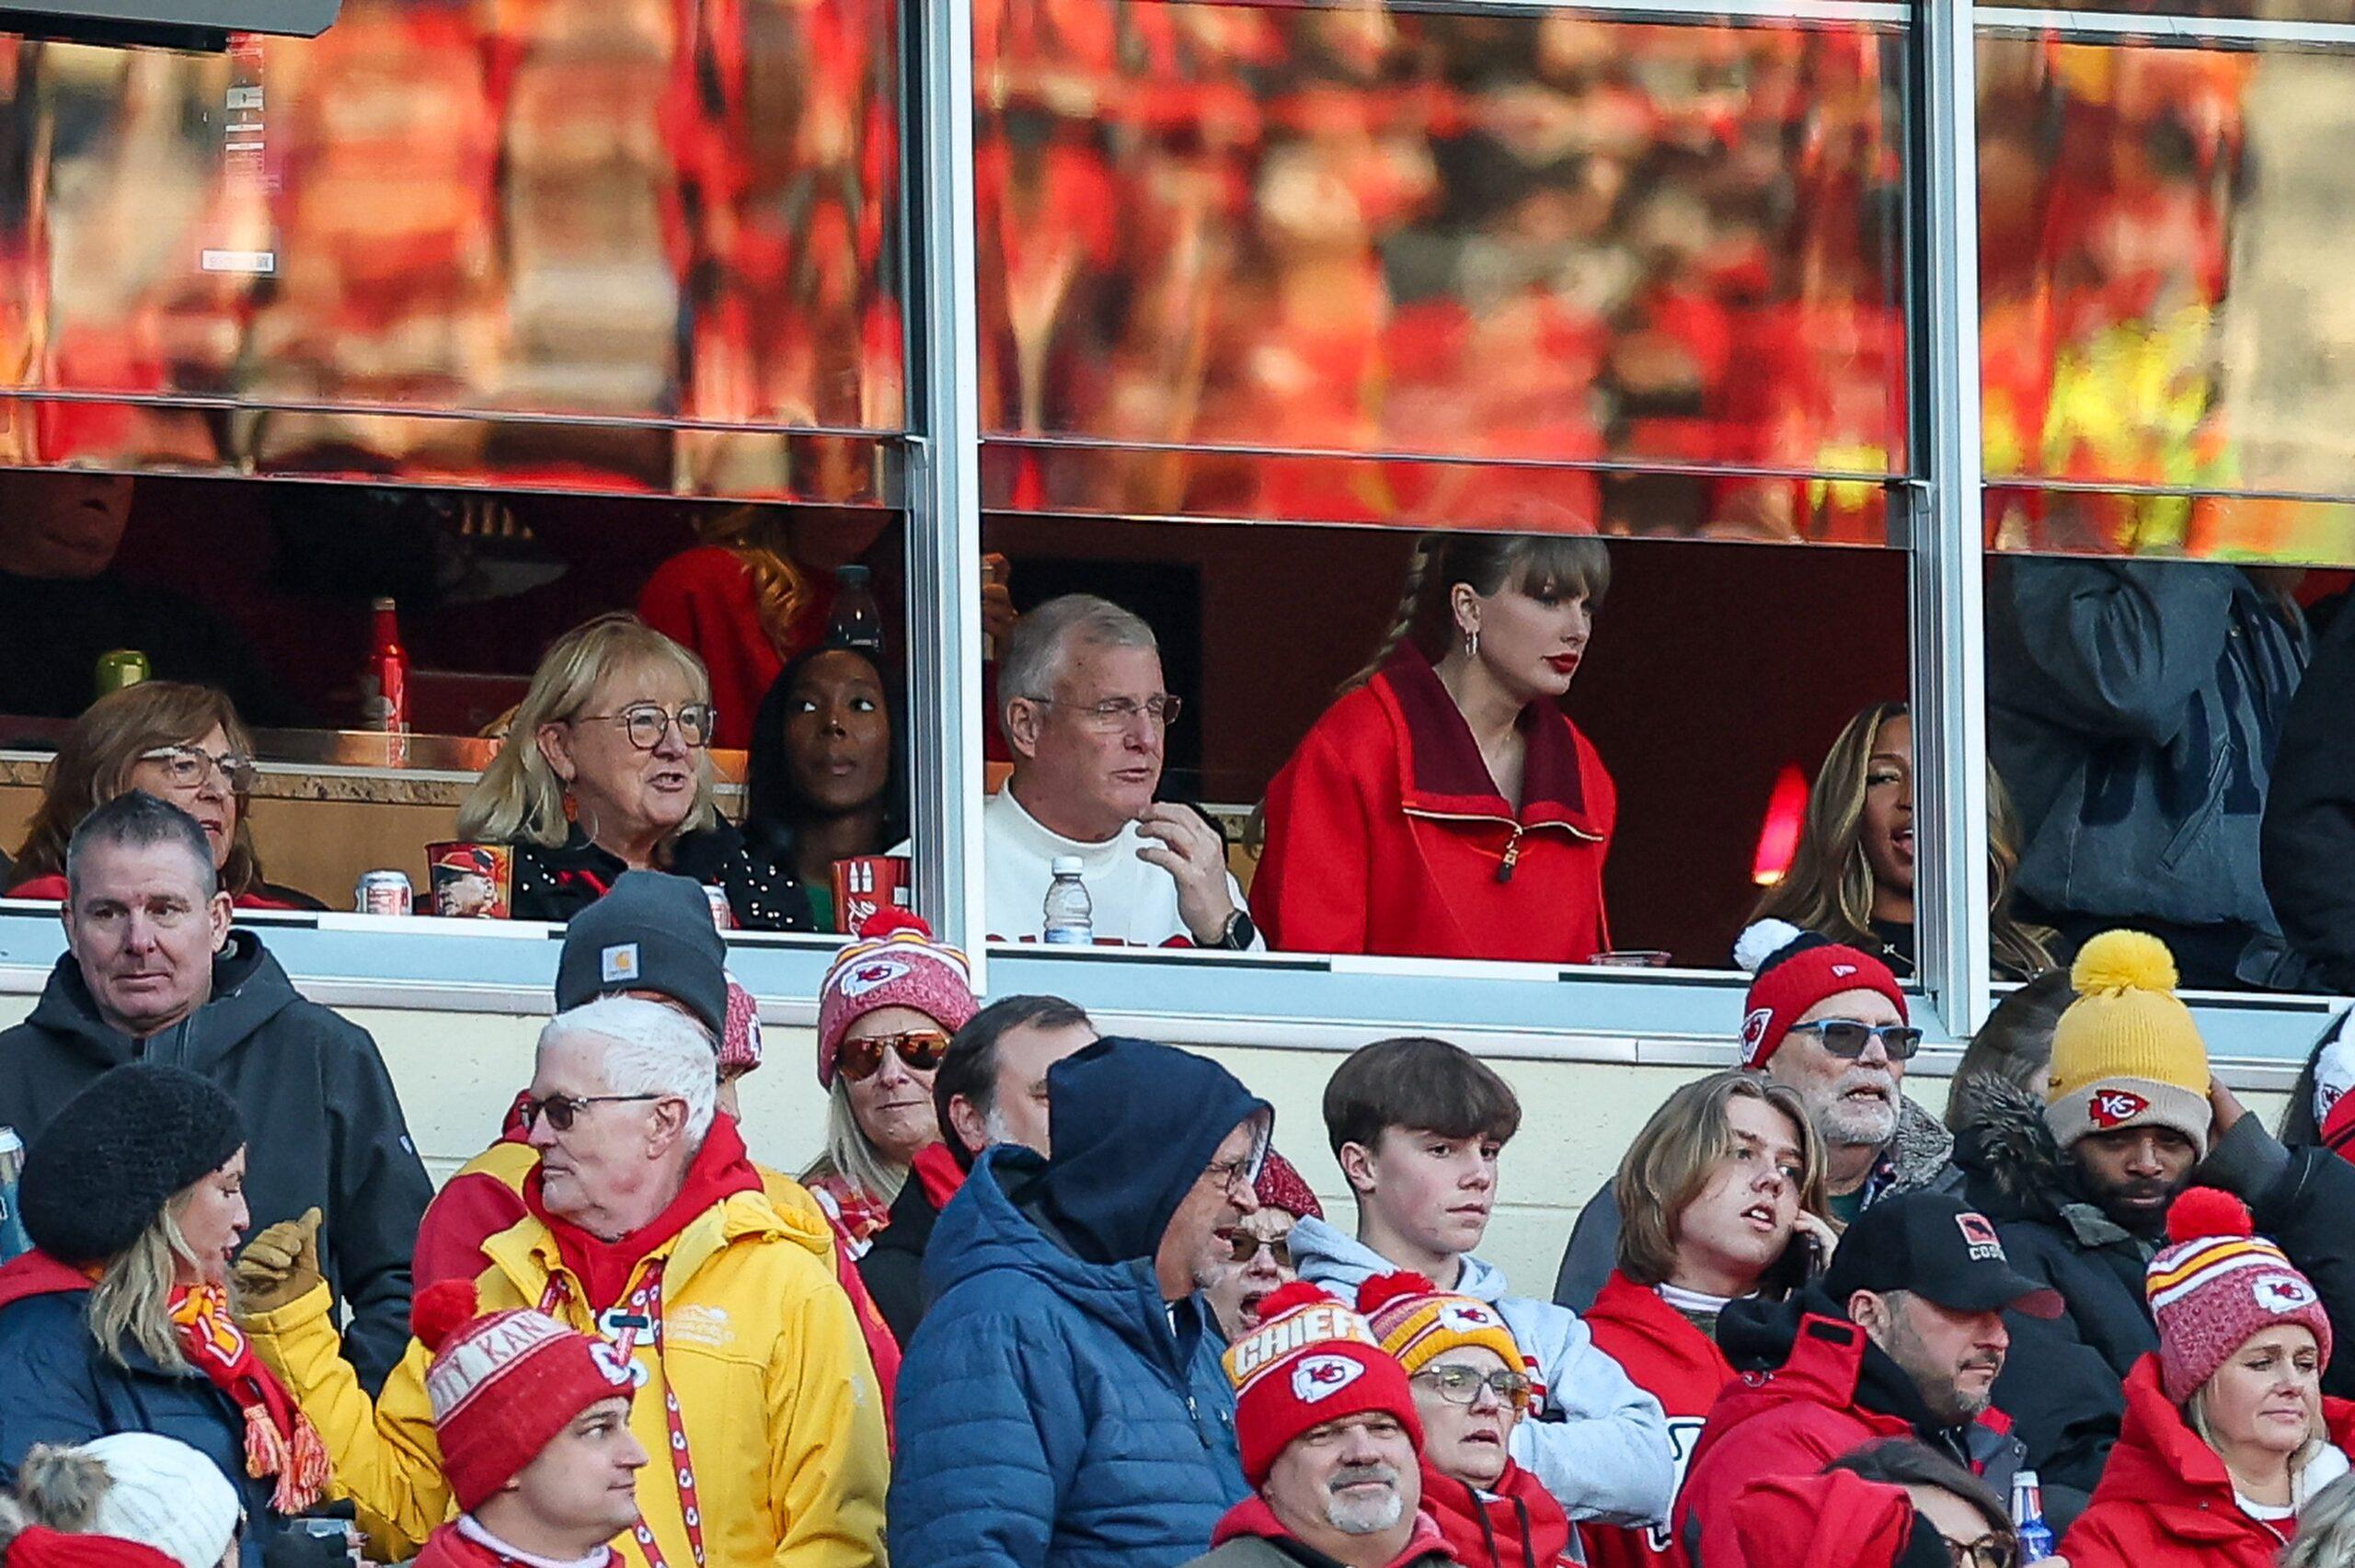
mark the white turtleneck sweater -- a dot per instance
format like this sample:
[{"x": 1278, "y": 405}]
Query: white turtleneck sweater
[{"x": 1136, "y": 901}]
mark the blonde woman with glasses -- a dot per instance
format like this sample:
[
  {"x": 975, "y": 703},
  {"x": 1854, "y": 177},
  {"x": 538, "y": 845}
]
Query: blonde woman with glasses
[
  {"x": 606, "y": 768},
  {"x": 186, "y": 746}
]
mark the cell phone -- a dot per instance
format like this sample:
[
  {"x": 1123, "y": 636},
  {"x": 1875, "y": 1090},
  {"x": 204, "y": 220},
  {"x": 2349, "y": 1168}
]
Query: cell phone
[{"x": 342, "y": 1531}]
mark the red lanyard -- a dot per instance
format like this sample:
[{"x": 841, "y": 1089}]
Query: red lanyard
[{"x": 646, "y": 1312}]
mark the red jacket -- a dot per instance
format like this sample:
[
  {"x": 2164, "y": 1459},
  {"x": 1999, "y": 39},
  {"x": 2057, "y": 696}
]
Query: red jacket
[
  {"x": 1838, "y": 1520},
  {"x": 1678, "y": 1365},
  {"x": 1519, "y": 1524},
  {"x": 1386, "y": 834},
  {"x": 2167, "y": 1500},
  {"x": 1253, "y": 1520},
  {"x": 702, "y": 597},
  {"x": 1794, "y": 1421},
  {"x": 445, "y": 1548}
]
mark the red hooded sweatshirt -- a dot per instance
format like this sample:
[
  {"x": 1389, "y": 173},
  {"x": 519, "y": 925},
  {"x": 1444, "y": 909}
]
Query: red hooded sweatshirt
[
  {"x": 2167, "y": 1500},
  {"x": 1837, "y": 1521},
  {"x": 1516, "y": 1524},
  {"x": 1386, "y": 834},
  {"x": 1678, "y": 1365},
  {"x": 1252, "y": 1516},
  {"x": 445, "y": 1548},
  {"x": 1793, "y": 1421}
]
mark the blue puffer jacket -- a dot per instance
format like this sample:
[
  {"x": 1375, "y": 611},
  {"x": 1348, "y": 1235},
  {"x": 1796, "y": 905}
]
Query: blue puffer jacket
[
  {"x": 1054, "y": 1411},
  {"x": 56, "y": 1386}
]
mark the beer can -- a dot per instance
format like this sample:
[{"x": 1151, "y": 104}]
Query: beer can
[
  {"x": 384, "y": 893},
  {"x": 119, "y": 668},
  {"x": 472, "y": 881},
  {"x": 14, "y": 1242},
  {"x": 722, "y": 914}
]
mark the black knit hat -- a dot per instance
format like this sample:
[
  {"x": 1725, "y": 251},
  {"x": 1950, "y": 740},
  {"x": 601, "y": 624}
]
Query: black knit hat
[
  {"x": 652, "y": 931},
  {"x": 114, "y": 1154}
]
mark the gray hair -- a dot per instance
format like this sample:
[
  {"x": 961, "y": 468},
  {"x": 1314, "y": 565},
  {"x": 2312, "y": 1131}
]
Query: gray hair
[
  {"x": 137, "y": 820},
  {"x": 651, "y": 1048},
  {"x": 2325, "y": 1535},
  {"x": 1034, "y": 653}
]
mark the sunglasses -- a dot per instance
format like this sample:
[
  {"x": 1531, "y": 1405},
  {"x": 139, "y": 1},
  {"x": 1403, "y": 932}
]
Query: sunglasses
[
  {"x": 562, "y": 1109},
  {"x": 920, "y": 1048},
  {"x": 1461, "y": 1385},
  {"x": 1847, "y": 1038},
  {"x": 1987, "y": 1551},
  {"x": 1242, "y": 1246}
]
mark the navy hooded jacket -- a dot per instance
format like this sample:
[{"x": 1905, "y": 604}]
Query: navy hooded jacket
[{"x": 1054, "y": 1412}]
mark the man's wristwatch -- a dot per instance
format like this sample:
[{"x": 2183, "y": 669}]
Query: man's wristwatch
[{"x": 1238, "y": 934}]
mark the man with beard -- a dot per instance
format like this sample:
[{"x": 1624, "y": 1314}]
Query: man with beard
[
  {"x": 1904, "y": 1337},
  {"x": 1331, "y": 1444},
  {"x": 1830, "y": 1021},
  {"x": 2080, "y": 1188}
]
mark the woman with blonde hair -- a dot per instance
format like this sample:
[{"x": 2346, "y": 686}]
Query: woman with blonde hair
[
  {"x": 119, "y": 1320},
  {"x": 606, "y": 768},
  {"x": 1720, "y": 1198},
  {"x": 1447, "y": 807},
  {"x": 182, "y": 744},
  {"x": 1852, "y": 876}
]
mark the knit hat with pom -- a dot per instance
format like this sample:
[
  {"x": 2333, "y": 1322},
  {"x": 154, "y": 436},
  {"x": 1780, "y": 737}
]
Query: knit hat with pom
[
  {"x": 1418, "y": 1323},
  {"x": 1310, "y": 1361},
  {"x": 894, "y": 963},
  {"x": 1792, "y": 970},
  {"x": 2217, "y": 1284},
  {"x": 504, "y": 1386},
  {"x": 2126, "y": 1053},
  {"x": 134, "y": 1486}
]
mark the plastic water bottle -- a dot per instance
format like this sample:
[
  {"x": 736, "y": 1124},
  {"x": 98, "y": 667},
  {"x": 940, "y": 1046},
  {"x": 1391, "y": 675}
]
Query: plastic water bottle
[
  {"x": 2027, "y": 1518},
  {"x": 1070, "y": 915},
  {"x": 14, "y": 1242}
]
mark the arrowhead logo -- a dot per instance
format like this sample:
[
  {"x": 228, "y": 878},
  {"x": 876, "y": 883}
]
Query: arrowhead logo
[
  {"x": 1321, "y": 1377},
  {"x": 2283, "y": 1293},
  {"x": 2115, "y": 1107}
]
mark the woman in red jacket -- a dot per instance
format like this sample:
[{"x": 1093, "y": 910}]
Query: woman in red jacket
[
  {"x": 2227, "y": 1436},
  {"x": 1451, "y": 809},
  {"x": 1714, "y": 1193}
]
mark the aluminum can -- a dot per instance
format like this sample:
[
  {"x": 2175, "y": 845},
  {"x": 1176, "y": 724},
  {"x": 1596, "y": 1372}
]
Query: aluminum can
[
  {"x": 384, "y": 893},
  {"x": 119, "y": 668},
  {"x": 723, "y": 915}
]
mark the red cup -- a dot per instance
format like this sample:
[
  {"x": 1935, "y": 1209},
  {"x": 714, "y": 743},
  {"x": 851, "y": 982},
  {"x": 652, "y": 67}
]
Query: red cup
[
  {"x": 867, "y": 883},
  {"x": 472, "y": 881}
]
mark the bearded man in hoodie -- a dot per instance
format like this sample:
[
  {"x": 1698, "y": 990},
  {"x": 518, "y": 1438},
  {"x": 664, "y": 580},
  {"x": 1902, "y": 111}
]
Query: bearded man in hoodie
[{"x": 152, "y": 972}]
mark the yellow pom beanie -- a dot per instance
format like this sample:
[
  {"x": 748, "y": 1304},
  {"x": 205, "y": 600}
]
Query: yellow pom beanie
[{"x": 2126, "y": 1053}]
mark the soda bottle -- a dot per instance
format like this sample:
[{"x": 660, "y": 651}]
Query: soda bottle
[
  {"x": 2027, "y": 1518},
  {"x": 386, "y": 677},
  {"x": 1069, "y": 916},
  {"x": 855, "y": 623},
  {"x": 14, "y": 1242}
]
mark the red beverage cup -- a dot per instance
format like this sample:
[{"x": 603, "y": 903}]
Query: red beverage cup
[
  {"x": 865, "y": 884},
  {"x": 472, "y": 881}
]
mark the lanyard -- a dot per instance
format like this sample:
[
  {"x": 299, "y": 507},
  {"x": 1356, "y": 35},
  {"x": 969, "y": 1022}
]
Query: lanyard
[{"x": 646, "y": 1312}]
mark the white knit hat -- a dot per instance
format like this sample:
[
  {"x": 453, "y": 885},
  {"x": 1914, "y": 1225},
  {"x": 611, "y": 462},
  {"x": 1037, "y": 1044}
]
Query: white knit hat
[{"x": 166, "y": 1495}]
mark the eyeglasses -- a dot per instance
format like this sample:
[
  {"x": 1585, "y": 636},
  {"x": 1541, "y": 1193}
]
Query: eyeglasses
[
  {"x": 1846, "y": 1037},
  {"x": 1119, "y": 713},
  {"x": 189, "y": 766},
  {"x": 1987, "y": 1551},
  {"x": 562, "y": 1109},
  {"x": 1242, "y": 1246},
  {"x": 920, "y": 1048},
  {"x": 1228, "y": 1174},
  {"x": 647, "y": 723},
  {"x": 1461, "y": 1385}
]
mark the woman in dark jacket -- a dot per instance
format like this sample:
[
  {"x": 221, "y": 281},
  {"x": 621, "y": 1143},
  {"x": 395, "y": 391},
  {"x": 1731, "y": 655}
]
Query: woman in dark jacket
[
  {"x": 827, "y": 778},
  {"x": 606, "y": 768},
  {"x": 118, "y": 1320}
]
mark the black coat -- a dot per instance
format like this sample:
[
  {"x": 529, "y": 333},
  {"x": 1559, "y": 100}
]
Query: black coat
[
  {"x": 2308, "y": 841},
  {"x": 894, "y": 1267},
  {"x": 556, "y": 884},
  {"x": 323, "y": 1126}
]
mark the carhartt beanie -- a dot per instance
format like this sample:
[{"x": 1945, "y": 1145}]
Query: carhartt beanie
[{"x": 651, "y": 932}]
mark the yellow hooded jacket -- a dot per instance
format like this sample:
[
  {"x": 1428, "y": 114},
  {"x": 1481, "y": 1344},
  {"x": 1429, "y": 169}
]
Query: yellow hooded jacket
[{"x": 783, "y": 1418}]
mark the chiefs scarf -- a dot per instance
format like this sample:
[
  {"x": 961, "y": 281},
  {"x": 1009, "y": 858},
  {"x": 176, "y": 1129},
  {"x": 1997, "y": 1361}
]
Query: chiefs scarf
[{"x": 279, "y": 1440}]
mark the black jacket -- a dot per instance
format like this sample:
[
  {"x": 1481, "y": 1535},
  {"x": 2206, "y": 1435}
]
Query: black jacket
[
  {"x": 894, "y": 1267},
  {"x": 556, "y": 884},
  {"x": 2307, "y": 848},
  {"x": 324, "y": 1125}
]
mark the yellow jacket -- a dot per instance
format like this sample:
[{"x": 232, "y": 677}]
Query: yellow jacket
[{"x": 783, "y": 1418}]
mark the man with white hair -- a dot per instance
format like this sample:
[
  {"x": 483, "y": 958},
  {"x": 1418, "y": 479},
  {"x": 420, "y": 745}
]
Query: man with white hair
[
  {"x": 1084, "y": 708},
  {"x": 648, "y": 1229}
]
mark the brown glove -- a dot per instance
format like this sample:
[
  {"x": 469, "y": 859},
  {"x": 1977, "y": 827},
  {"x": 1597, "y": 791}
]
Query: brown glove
[{"x": 278, "y": 1265}]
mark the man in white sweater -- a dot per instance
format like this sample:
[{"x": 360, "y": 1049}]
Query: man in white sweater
[{"x": 1083, "y": 705}]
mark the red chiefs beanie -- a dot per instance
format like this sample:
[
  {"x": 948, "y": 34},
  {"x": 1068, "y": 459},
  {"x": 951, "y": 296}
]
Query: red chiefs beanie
[
  {"x": 894, "y": 963},
  {"x": 2218, "y": 1283},
  {"x": 1310, "y": 1361},
  {"x": 505, "y": 1385},
  {"x": 1791, "y": 971}
]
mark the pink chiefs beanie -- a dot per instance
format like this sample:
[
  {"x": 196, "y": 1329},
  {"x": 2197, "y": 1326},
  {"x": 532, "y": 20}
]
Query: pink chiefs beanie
[{"x": 894, "y": 963}]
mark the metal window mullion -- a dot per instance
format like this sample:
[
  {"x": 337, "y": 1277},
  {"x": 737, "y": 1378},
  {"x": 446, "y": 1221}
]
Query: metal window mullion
[
  {"x": 944, "y": 473},
  {"x": 1944, "y": 517}
]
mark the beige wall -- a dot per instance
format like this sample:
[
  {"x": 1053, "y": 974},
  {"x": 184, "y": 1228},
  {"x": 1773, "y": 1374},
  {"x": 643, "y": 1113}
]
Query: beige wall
[{"x": 456, "y": 1072}]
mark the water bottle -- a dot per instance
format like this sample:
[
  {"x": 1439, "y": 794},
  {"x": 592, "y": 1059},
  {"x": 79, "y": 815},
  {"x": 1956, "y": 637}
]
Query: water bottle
[
  {"x": 855, "y": 623},
  {"x": 1069, "y": 916},
  {"x": 2027, "y": 1518},
  {"x": 14, "y": 1242}
]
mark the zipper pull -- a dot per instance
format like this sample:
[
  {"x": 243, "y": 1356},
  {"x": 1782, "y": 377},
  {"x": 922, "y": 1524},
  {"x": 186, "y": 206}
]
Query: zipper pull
[{"x": 1513, "y": 854}]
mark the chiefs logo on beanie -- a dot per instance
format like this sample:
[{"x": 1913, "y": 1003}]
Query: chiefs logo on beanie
[
  {"x": 1310, "y": 1361},
  {"x": 1791, "y": 971},
  {"x": 2126, "y": 1053},
  {"x": 2217, "y": 1283}
]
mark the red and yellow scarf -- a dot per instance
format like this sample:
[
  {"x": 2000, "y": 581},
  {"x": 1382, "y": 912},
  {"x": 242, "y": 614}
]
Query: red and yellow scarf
[{"x": 279, "y": 1441}]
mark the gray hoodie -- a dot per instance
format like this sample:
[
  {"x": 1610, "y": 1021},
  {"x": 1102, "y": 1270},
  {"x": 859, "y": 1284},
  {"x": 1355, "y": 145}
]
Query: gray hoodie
[{"x": 1595, "y": 1440}]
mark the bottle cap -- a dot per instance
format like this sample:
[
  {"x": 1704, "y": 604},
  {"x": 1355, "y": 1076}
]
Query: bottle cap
[
  {"x": 1066, "y": 865},
  {"x": 852, "y": 575}
]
